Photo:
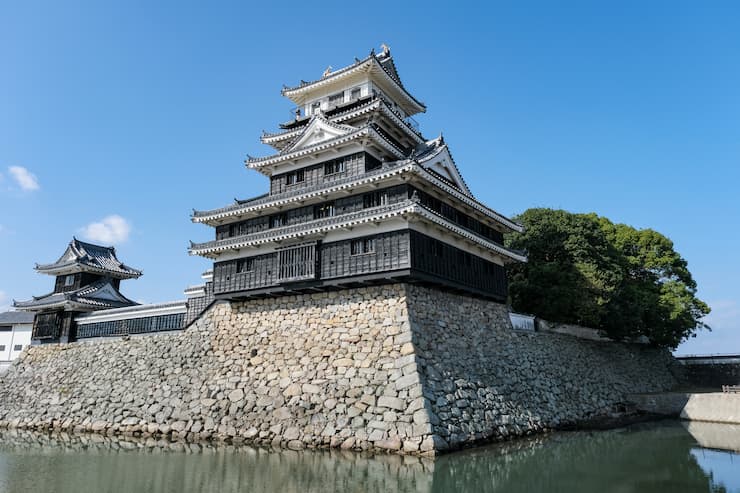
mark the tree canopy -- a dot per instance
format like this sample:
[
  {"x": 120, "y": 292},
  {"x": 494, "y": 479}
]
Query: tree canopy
[{"x": 583, "y": 269}]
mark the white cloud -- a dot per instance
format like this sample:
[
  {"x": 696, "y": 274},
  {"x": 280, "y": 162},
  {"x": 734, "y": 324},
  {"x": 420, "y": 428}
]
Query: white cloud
[
  {"x": 110, "y": 230},
  {"x": 25, "y": 179}
]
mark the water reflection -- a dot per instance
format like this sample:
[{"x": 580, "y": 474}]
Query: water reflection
[{"x": 657, "y": 457}]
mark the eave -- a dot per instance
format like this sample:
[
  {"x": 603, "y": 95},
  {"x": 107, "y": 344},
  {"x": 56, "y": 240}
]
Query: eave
[
  {"x": 370, "y": 65},
  {"x": 76, "y": 267},
  {"x": 217, "y": 216},
  {"x": 222, "y": 215},
  {"x": 280, "y": 140},
  {"x": 319, "y": 227},
  {"x": 69, "y": 305},
  {"x": 366, "y": 132},
  {"x": 133, "y": 312}
]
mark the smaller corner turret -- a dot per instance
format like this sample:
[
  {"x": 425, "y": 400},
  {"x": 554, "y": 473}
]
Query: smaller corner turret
[{"x": 88, "y": 278}]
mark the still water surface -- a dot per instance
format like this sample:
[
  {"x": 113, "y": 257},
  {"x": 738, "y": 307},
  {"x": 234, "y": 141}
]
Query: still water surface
[{"x": 657, "y": 457}]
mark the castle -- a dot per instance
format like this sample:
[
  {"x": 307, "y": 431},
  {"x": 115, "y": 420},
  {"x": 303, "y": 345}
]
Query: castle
[
  {"x": 357, "y": 197},
  {"x": 359, "y": 304}
]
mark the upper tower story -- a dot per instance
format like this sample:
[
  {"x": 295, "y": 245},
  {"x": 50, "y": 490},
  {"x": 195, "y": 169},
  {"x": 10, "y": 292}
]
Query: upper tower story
[
  {"x": 360, "y": 109},
  {"x": 375, "y": 75}
]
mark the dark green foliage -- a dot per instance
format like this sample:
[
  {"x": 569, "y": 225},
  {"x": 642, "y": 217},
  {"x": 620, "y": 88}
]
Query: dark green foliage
[{"x": 584, "y": 269}]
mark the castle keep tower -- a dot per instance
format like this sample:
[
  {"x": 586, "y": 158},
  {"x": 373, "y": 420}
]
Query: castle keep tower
[
  {"x": 88, "y": 278},
  {"x": 357, "y": 196}
]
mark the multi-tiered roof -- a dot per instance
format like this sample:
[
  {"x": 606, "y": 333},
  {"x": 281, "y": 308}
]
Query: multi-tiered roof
[
  {"x": 88, "y": 278},
  {"x": 352, "y": 166},
  {"x": 87, "y": 257}
]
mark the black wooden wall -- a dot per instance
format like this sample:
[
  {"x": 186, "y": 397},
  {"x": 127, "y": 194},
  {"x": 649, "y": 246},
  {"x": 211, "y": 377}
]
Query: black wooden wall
[{"x": 438, "y": 259}]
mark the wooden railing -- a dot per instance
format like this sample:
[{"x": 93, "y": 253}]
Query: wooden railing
[
  {"x": 297, "y": 263},
  {"x": 734, "y": 389}
]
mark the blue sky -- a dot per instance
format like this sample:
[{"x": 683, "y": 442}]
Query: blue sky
[{"x": 116, "y": 120}]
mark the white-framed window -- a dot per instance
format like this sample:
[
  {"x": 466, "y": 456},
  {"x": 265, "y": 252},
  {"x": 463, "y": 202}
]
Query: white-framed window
[
  {"x": 336, "y": 99},
  {"x": 2, "y": 347},
  {"x": 374, "y": 199},
  {"x": 323, "y": 210},
  {"x": 335, "y": 166},
  {"x": 361, "y": 247},
  {"x": 355, "y": 93},
  {"x": 278, "y": 220},
  {"x": 294, "y": 177},
  {"x": 69, "y": 280},
  {"x": 18, "y": 347},
  {"x": 244, "y": 265}
]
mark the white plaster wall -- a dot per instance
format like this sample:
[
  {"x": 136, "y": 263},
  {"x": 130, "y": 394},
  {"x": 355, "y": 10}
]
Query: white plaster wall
[{"x": 19, "y": 335}]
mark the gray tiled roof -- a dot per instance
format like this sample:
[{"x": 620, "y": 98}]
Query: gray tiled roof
[
  {"x": 385, "y": 62},
  {"x": 88, "y": 296},
  {"x": 90, "y": 257},
  {"x": 16, "y": 318}
]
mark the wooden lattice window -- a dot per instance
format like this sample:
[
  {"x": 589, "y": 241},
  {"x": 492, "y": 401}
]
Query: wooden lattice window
[
  {"x": 47, "y": 326},
  {"x": 297, "y": 263}
]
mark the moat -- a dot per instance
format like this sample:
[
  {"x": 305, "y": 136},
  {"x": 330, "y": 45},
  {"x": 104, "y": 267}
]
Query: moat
[{"x": 661, "y": 456}]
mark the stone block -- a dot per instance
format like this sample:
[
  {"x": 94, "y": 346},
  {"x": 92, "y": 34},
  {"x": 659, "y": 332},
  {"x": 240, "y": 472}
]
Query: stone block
[
  {"x": 391, "y": 402},
  {"x": 393, "y": 443},
  {"x": 407, "y": 381},
  {"x": 309, "y": 388},
  {"x": 236, "y": 395}
]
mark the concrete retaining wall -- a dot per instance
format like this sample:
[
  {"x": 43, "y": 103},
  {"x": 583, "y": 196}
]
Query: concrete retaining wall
[{"x": 716, "y": 407}]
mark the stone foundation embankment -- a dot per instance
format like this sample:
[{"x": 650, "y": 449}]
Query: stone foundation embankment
[{"x": 398, "y": 367}]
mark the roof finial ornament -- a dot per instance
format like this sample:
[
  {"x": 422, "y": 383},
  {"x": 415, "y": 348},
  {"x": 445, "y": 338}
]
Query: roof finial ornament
[
  {"x": 327, "y": 72},
  {"x": 386, "y": 49}
]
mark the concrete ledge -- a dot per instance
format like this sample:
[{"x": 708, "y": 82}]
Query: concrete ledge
[{"x": 716, "y": 407}]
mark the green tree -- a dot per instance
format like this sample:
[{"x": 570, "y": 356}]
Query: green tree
[{"x": 586, "y": 270}]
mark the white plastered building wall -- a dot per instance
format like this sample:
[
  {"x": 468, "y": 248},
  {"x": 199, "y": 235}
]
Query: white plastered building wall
[{"x": 14, "y": 338}]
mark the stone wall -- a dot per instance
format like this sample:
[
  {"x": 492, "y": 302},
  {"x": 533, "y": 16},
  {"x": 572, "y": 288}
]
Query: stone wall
[
  {"x": 485, "y": 381},
  {"x": 397, "y": 367}
]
